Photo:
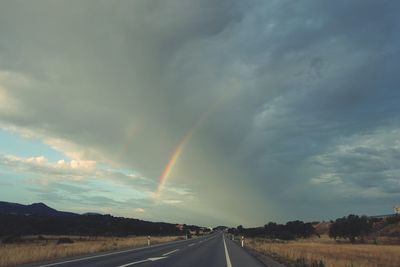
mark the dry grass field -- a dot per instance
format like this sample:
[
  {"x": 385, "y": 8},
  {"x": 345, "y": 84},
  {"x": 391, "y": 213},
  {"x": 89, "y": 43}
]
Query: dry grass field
[
  {"x": 39, "y": 248},
  {"x": 331, "y": 253}
]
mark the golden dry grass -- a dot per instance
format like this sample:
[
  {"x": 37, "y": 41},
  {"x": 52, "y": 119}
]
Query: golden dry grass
[
  {"x": 40, "y": 250},
  {"x": 332, "y": 254}
]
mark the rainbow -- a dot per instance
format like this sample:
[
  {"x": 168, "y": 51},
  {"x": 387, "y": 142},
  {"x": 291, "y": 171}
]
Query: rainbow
[
  {"x": 171, "y": 163},
  {"x": 176, "y": 154}
]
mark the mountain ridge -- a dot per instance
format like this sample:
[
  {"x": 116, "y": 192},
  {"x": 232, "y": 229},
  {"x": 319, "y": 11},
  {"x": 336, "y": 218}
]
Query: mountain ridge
[
  {"x": 38, "y": 209},
  {"x": 38, "y": 218}
]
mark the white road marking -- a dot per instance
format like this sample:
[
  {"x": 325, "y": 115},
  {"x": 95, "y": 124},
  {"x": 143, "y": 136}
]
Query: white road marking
[
  {"x": 86, "y": 258},
  {"x": 228, "y": 260},
  {"x": 109, "y": 254},
  {"x": 133, "y": 263},
  {"x": 156, "y": 258},
  {"x": 165, "y": 254},
  {"x": 191, "y": 245},
  {"x": 137, "y": 262}
]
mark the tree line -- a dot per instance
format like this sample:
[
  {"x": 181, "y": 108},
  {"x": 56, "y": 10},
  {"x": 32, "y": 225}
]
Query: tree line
[
  {"x": 90, "y": 225},
  {"x": 352, "y": 227},
  {"x": 290, "y": 230}
]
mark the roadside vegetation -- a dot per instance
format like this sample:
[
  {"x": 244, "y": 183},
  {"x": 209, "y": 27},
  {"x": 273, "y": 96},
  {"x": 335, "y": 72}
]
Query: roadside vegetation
[
  {"x": 88, "y": 225},
  {"x": 30, "y": 233},
  {"x": 289, "y": 231},
  {"x": 327, "y": 253},
  {"x": 350, "y": 241},
  {"x": 41, "y": 248}
]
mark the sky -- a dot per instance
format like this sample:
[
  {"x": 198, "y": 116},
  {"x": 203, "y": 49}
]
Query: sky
[{"x": 202, "y": 112}]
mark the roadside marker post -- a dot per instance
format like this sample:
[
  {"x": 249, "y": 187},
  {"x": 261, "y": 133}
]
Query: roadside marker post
[
  {"x": 242, "y": 241},
  {"x": 148, "y": 240}
]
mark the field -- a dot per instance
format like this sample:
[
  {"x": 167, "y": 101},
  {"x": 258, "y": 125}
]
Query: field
[
  {"x": 40, "y": 248},
  {"x": 332, "y": 254}
]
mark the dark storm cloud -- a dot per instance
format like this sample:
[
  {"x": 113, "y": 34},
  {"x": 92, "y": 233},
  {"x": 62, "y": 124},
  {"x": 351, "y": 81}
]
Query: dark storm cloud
[{"x": 282, "y": 85}]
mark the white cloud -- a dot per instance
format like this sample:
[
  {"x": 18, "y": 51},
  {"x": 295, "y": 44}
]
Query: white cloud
[
  {"x": 41, "y": 161},
  {"x": 140, "y": 210},
  {"x": 77, "y": 164},
  {"x": 85, "y": 171},
  {"x": 70, "y": 149},
  {"x": 172, "y": 201}
]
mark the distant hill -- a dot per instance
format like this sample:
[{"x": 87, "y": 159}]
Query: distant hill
[
  {"x": 91, "y": 214},
  {"x": 39, "y": 209},
  {"x": 38, "y": 218}
]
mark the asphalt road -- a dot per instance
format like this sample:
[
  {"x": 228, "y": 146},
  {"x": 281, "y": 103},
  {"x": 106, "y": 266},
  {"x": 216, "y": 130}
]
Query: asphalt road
[{"x": 210, "y": 251}]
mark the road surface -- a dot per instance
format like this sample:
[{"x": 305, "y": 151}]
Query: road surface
[{"x": 209, "y": 251}]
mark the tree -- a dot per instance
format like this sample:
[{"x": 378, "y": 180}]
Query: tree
[
  {"x": 291, "y": 230},
  {"x": 350, "y": 227},
  {"x": 300, "y": 229},
  {"x": 232, "y": 231}
]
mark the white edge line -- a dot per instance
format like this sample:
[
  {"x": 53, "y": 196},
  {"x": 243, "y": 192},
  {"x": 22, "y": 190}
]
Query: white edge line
[
  {"x": 111, "y": 253},
  {"x": 86, "y": 258},
  {"x": 165, "y": 254},
  {"x": 228, "y": 260}
]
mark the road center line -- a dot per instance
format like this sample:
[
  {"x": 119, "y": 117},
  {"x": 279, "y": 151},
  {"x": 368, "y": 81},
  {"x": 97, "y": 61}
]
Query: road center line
[
  {"x": 165, "y": 254},
  {"x": 191, "y": 245},
  {"x": 228, "y": 260}
]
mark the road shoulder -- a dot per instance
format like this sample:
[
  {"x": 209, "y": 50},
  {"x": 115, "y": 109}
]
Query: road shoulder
[
  {"x": 264, "y": 259},
  {"x": 268, "y": 261}
]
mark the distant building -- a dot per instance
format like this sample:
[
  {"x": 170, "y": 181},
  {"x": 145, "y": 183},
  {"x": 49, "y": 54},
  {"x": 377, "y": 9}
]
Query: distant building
[
  {"x": 382, "y": 216},
  {"x": 396, "y": 209},
  {"x": 180, "y": 226}
]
